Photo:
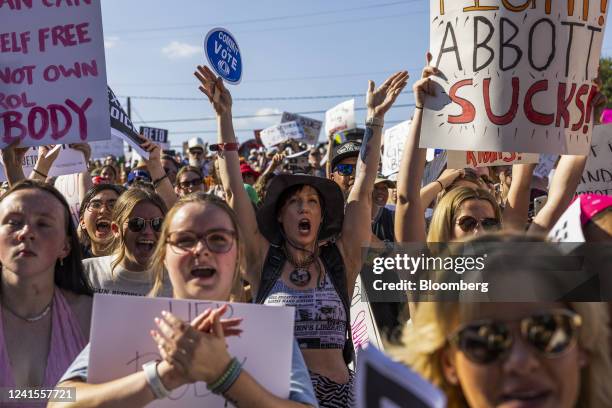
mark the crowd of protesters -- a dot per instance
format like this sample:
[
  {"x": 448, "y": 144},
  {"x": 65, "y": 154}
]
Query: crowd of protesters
[{"x": 215, "y": 224}]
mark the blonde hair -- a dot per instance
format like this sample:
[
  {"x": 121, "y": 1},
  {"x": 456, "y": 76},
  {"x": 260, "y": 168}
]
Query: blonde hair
[
  {"x": 443, "y": 219},
  {"x": 121, "y": 214},
  {"x": 157, "y": 260}
]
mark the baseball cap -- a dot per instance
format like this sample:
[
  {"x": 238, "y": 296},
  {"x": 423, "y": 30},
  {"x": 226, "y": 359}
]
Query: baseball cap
[
  {"x": 139, "y": 175},
  {"x": 195, "y": 143},
  {"x": 346, "y": 149}
]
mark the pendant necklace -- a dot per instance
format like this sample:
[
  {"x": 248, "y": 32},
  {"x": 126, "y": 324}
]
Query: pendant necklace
[{"x": 300, "y": 276}]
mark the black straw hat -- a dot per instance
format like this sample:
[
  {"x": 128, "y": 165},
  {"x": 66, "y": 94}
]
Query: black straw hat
[{"x": 332, "y": 206}]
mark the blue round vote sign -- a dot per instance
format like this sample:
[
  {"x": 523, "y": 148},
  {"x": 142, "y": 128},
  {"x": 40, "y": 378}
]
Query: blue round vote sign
[{"x": 223, "y": 55}]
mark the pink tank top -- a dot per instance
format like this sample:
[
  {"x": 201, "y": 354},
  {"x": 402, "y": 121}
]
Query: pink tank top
[{"x": 67, "y": 341}]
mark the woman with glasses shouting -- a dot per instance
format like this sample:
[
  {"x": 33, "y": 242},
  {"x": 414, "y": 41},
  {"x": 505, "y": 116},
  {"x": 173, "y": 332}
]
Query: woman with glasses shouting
[
  {"x": 201, "y": 247},
  {"x": 136, "y": 222},
  {"x": 95, "y": 214}
]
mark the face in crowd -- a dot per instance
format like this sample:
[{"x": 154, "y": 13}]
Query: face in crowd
[
  {"x": 314, "y": 158},
  {"x": 201, "y": 250},
  {"x": 474, "y": 217},
  {"x": 97, "y": 217},
  {"x": 380, "y": 195},
  {"x": 523, "y": 354},
  {"x": 189, "y": 182},
  {"x": 344, "y": 174},
  {"x": 170, "y": 168},
  {"x": 33, "y": 235},
  {"x": 109, "y": 174},
  {"x": 300, "y": 214},
  {"x": 196, "y": 156}
]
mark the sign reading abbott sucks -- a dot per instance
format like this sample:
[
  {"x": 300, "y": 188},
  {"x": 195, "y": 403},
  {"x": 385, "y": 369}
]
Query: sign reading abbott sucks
[
  {"x": 224, "y": 55},
  {"x": 515, "y": 76}
]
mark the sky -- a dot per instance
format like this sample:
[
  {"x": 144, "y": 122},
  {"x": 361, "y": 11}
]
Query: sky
[{"x": 290, "y": 49}]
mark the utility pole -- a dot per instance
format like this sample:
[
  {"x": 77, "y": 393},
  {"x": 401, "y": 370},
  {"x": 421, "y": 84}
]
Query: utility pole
[{"x": 129, "y": 107}]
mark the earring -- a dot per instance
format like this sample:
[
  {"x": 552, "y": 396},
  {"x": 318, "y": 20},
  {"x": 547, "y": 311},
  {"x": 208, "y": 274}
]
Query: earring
[{"x": 61, "y": 261}]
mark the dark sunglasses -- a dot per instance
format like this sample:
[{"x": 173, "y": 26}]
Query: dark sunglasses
[
  {"x": 345, "y": 169},
  {"x": 138, "y": 224},
  {"x": 550, "y": 333},
  {"x": 219, "y": 241},
  {"x": 184, "y": 185},
  {"x": 469, "y": 223}
]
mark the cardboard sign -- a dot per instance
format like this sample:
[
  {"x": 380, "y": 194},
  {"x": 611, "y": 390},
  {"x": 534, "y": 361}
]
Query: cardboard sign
[
  {"x": 364, "y": 330},
  {"x": 394, "y": 140},
  {"x": 312, "y": 127},
  {"x": 461, "y": 160},
  {"x": 70, "y": 188},
  {"x": 514, "y": 76},
  {"x": 158, "y": 136},
  {"x": 52, "y": 73},
  {"x": 597, "y": 176},
  {"x": 434, "y": 168},
  {"x": 122, "y": 126},
  {"x": 223, "y": 55},
  {"x": 281, "y": 133},
  {"x": 383, "y": 383},
  {"x": 340, "y": 117},
  {"x": 569, "y": 227},
  {"x": 69, "y": 161},
  {"x": 104, "y": 148},
  {"x": 267, "y": 337},
  {"x": 545, "y": 165}
]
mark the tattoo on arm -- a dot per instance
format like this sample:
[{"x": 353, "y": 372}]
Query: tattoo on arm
[{"x": 365, "y": 145}]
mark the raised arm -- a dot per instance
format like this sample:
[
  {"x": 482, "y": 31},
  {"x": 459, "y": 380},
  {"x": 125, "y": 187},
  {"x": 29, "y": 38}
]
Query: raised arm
[
  {"x": 44, "y": 162},
  {"x": 84, "y": 177},
  {"x": 517, "y": 206},
  {"x": 431, "y": 190},
  {"x": 162, "y": 184},
  {"x": 409, "y": 212},
  {"x": 12, "y": 158},
  {"x": 229, "y": 169},
  {"x": 357, "y": 229}
]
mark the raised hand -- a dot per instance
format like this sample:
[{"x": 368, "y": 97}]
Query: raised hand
[
  {"x": 214, "y": 89},
  {"x": 83, "y": 148},
  {"x": 423, "y": 87},
  {"x": 13, "y": 155},
  {"x": 380, "y": 100}
]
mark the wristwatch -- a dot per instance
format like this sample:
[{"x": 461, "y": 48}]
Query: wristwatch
[
  {"x": 375, "y": 122},
  {"x": 153, "y": 379}
]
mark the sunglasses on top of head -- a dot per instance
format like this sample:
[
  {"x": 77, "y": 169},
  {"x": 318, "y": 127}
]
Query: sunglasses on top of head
[
  {"x": 550, "y": 333},
  {"x": 138, "y": 224},
  {"x": 345, "y": 169}
]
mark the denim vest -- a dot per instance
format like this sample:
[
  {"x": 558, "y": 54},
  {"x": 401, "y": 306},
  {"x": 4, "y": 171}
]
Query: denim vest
[{"x": 334, "y": 265}]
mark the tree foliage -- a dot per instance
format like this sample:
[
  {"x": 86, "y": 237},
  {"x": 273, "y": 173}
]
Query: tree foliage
[{"x": 605, "y": 73}]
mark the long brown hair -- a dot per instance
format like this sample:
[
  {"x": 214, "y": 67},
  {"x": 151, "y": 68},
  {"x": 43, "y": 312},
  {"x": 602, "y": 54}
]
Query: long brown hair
[
  {"x": 121, "y": 213},
  {"x": 157, "y": 260}
]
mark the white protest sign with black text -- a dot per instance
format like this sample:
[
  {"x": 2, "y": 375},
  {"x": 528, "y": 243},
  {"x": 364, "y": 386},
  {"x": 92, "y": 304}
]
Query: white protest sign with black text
[
  {"x": 52, "y": 73},
  {"x": 514, "y": 76},
  {"x": 122, "y": 126},
  {"x": 312, "y": 127},
  {"x": 394, "y": 140},
  {"x": 69, "y": 161},
  {"x": 70, "y": 188},
  {"x": 121, "y": 343},
  {"x": 340, "y": 117},
  {"x": 364, "y": 330},
  {"x": 104, "y": 148},
  {"x": 545, "y": 165},
  {"x": 597, "y": 176},
  {"x": 569, "y": 226},
  {"x": 383, "y": 383},
  {"x": 281, "y": 133},
  {"x": 461, "y": 160},
  {"x": 157, "y": 136}
]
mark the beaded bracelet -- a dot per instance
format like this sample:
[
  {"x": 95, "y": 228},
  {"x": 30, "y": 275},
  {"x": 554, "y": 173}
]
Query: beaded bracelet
[{"x": 228, "y": 378}]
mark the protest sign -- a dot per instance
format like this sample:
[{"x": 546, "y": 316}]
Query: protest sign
[
  {"x": 52, "y": 73},
  {"x": 363, "y": 326},
  {"x": 312, "y": 127},
  {"x": 597, "y": 175},
  {"x": 122, "y": 126},
  {"x": 394, "y": 140},
  {"x": 434, "y": 168},
  {"x": 281, "y": 133},
  {"x": 120, "y": 346},
  {"x": 461, "y": 160},
  {"x": 569, "y": 226},
  {"x": 383, "y": 383},
  {"x": 223, "y": 55},
  {"x": 514, "y": 77},
  {"x": 104, "y": 148},
  {"x": 157, "y": 136},
  {"x": 70, "y": 188},
  {"x": 545, "y": 165},
  {"x": 69, "y": 161},
  {"x": 340, "y": 117}
]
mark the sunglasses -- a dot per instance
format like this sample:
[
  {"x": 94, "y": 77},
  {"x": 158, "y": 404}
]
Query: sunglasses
[
  {"x": 97, "y": 205},
  {"x": 550, "y": 333},
  {"x": 184, "y": 185},
  {"x": 345, "y": 169},
  {"x": 218, "y": 241},
  {"x": 139, "y": 224},
  {"x": 469, "y": 223}
]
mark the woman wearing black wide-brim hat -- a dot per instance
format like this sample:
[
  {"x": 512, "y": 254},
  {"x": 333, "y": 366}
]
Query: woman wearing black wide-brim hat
[{"x": 304, "y": 245}]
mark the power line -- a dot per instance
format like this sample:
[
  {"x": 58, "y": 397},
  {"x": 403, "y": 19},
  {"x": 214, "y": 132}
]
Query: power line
[
  {"x": 269, "y": 98},
  {"x": 265, "y": 115},
  {"x": 263, "y": 19}
]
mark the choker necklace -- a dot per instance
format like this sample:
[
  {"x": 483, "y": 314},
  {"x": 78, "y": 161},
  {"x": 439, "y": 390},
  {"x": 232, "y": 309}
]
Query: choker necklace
[
  {"x": 33, "y": 319},
  {"x": 300, "y": 276}
]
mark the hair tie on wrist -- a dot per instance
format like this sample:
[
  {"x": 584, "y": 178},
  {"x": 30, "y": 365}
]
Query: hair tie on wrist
[
  {"x": 441, "y": 185},
  {"x": 39, "y": 173},
  {"x": 418, "y": 107}
]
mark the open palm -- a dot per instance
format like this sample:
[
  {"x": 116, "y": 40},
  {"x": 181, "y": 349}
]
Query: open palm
[
  {"x": 380, "y": 100},
  {"x": 214, "y": 89}
]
